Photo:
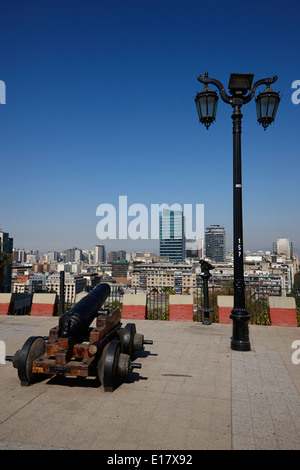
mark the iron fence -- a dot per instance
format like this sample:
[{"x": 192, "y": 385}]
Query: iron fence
[
  {"x": 157, "y": 306},
  {"x": 256, "y": 299},
  {"x": 115, "y": 299},
  {"x": 22, "y": 304}
]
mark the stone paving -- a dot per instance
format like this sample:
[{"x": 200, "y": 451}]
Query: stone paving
[
  {"x": 192, "y": 393},
  {"x": 265, "y": 392}
]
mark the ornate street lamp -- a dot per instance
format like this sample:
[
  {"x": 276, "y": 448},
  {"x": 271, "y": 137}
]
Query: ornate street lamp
[
  {"x": 266, "y": 104},
  {"x": 206, "y": 103}
]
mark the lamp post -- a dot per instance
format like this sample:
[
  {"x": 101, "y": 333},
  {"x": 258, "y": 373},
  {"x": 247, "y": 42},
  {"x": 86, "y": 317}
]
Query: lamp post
[{"x": 266, "y": 106}]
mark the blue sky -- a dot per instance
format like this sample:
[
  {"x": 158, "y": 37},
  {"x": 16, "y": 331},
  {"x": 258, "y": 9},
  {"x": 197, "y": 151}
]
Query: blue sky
[{"x": 99, "y": 103}]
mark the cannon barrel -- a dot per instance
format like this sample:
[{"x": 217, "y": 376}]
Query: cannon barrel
[{"x": 76, "y": 321}]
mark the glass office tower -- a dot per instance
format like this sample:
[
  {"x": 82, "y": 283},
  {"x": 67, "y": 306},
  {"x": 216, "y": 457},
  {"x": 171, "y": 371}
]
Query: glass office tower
[{"x": 171, "y": 235}]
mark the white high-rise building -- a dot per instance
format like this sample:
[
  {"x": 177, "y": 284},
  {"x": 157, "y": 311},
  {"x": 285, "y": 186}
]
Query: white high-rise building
[{"x": 284, "y": 247}]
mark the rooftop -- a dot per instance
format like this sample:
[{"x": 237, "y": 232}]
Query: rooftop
[{"x": 192, "y": 392}]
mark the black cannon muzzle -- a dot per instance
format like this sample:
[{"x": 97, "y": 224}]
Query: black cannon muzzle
[{"x": 76, "y": 321}]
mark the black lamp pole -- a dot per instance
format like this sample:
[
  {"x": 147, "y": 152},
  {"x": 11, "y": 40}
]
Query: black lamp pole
[
  {"x": 267, "y": 104},
  {"x": 239, "y": 315}
]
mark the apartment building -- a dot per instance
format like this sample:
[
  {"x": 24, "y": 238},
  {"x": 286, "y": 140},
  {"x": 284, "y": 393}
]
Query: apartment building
[
  {"x": 274, "y": 273},
  {"x": 181, "y": 278},
  {"x": 74, "y": 284}
]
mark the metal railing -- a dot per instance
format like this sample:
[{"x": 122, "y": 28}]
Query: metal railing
[
  {"x": 157, "y": 306},
  {"x": 114, "y": 300},
  {"x": 22, "y": 304},
  {"x": 256, "y": 298}
]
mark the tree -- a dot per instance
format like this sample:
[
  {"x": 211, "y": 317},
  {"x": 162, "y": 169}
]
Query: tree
[
  {"x": 295, "y": 292},
  {"x": 5, "y": 260}
]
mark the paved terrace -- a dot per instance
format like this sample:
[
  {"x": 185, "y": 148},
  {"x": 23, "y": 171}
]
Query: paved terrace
[{"x": 193, "y": 392}]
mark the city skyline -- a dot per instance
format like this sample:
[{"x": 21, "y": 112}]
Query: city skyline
[
  {"x": 148, "y": 245},
  {"x": 106, "y": 251},
  {"x": 100, "y": 103}
]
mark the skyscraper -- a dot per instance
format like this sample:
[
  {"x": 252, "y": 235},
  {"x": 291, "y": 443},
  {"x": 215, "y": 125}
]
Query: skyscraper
[
  {"x": 215, "y": 243},
  {"x": 171, "y": 235},
  {"x": 99, "y": 253},
  {"x": 70, "y": 255}
]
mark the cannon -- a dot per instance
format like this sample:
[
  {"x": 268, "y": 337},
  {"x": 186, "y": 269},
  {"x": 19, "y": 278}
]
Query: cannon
[{"x": 74, "y": 348}]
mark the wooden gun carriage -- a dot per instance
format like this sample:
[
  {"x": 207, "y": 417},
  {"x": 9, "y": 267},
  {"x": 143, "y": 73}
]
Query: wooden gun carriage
[{"x": 74, "y": 348}]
